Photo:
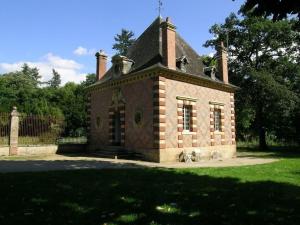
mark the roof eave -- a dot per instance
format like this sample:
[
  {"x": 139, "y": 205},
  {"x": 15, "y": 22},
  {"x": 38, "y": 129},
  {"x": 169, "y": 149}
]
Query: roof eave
[{"x": 158, "y": 68}]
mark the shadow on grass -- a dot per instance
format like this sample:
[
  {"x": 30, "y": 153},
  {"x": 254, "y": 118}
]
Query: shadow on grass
[
  {"x": 36, "y": 165},
  {"x": 143, "y": 196},
  {"x": 274, "y": 152}
]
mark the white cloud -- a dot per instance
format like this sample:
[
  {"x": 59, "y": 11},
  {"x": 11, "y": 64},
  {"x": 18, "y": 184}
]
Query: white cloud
[
  {"x": 67, "y": 68},
  {"x": 80, "y": 51},
  {"x": 211, "y": 54}
]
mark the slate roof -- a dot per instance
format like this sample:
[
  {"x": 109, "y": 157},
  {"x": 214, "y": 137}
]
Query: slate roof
[{"x": 147, "y": 52}]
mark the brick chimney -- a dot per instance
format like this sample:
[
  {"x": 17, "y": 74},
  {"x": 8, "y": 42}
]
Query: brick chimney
[
  {"x": 222, "y": 63},
  {"x": 101, "y": 60},
  {"x": 169, "y": 44}
]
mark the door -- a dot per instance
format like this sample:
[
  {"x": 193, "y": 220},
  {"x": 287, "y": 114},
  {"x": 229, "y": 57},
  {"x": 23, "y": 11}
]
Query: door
[{"x": 117, "y": 133}]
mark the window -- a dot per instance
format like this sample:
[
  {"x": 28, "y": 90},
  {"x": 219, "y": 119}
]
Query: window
[
  {"x": 217, "y": 119},
  {"x": 187, "y": 117},
  {"x": 98, "y": 122},
  {"x": 138, "y": 118}
]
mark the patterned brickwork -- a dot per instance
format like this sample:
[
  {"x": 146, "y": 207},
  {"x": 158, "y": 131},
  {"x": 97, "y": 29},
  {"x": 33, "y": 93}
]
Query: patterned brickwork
[
  {"x": 138, "y": 97},
  {"x": 213, "y": 108},
  {"x": 180, "y": 122},
  {"x": 135, "y": 137},
  {"x": 180, "y": 104},
  {"x": 113, "y": 111},
  {"x": 159, "y": 112},
  {"x": 203, "y": 97},
  {"x": 117, "y": 108},
  {"x": 194, "y": 124},
  {"x": 232, "y": 119},
  {"x": 88, "y": 118}
]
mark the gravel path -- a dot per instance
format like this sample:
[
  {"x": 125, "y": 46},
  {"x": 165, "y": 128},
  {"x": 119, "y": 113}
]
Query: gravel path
[{"x": 73, "y": 162}]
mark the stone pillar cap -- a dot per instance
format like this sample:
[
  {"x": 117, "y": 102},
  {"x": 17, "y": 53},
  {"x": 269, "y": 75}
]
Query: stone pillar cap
[{"x": 14, "y": 112}]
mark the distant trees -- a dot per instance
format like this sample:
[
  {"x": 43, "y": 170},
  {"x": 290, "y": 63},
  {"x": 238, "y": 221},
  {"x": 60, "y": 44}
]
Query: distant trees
[
  {"x": 56, "y": 80},
  {"x": 264, "y": 61},
  {"x": 22, "y": 89},
  {"x": 89, "y": 80},
  {"x": 31, "y": 73},
  {"x": 123, "y": 41}
]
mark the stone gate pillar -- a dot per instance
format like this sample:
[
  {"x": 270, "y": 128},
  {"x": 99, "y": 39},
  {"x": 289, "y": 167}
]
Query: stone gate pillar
[{"x": 14, "y": 132}]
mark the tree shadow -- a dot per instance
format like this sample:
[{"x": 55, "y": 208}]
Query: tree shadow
[
  {"x": 11, "y": 166},
  {"x": 143, "y": 196},
  {"x": 274, "y": 152}
]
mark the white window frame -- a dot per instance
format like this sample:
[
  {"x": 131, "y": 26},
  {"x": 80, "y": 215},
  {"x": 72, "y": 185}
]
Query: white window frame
[
  {"x": 187, "y": 119},
  {"x": 217, "y": 120}
]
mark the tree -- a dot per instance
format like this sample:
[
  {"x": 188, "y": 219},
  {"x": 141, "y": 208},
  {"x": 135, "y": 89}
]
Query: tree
[
  {"x": 123, "y": 41},
  {"x": 55, "y": 81},
  {"x": 264, "y": 62},
  {"x": 209, "y": 61},
  {"x": 32, "y": 73},
  {"x": 89, "y": 79},
  {"x": 278, "y": 9},
  {"x": 68, "y": 102},
  {"x": 72, "y": 102},
  {"x": 18, "y": 89}
]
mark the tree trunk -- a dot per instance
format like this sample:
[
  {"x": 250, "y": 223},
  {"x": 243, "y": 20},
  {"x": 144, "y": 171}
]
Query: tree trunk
[
  {"x": 262, "y": 138},
  {"x": 261, "y": 129}
]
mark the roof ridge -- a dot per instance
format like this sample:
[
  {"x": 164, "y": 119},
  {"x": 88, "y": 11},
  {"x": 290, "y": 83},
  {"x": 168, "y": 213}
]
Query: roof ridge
[{"x": 158, "y": 19}]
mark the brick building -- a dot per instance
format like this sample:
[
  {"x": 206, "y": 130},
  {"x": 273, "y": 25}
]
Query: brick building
[{"x": 158, "y": 102}]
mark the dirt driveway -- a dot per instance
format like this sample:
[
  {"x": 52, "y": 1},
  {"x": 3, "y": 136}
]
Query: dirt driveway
[{"x": 75, "y": 162}]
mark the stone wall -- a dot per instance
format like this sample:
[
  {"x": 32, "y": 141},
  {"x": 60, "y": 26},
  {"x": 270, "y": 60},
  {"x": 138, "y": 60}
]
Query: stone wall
[
  {"x": 45, "y": 150},
  {"x": 206, "y": 152},
  {"x": 4, "y": 151}
]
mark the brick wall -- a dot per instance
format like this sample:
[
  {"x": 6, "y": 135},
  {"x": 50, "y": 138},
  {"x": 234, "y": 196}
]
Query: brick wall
[
  {"x": 99, "y": 108},
  {"x": 137, "y": 97},
  {"x": 203, "y": 97},
  {"x": 160, "y": 136}
]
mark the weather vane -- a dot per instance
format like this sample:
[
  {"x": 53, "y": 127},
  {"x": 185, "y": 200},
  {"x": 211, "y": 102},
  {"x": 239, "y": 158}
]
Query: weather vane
[{"x": 160, "y": 7}]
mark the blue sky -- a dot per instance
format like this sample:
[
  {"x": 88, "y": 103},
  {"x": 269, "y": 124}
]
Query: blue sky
[{"x": 64, "y": 34}]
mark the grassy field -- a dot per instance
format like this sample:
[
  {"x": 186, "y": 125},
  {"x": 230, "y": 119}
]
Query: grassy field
[{"x": 262, "y": 194}]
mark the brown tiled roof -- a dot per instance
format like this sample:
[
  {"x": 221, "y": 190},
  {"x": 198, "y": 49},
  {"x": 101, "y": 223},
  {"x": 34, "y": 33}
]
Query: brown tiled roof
[{"x": 147, "y": 51}]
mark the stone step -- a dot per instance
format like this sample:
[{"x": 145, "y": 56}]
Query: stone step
[{"x": 112, "y": 152}]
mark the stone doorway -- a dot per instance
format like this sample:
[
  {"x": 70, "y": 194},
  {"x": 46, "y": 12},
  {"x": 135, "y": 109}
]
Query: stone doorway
[
  {"x": 117, "y": 119},
  {"x": 117, "y": 129}
]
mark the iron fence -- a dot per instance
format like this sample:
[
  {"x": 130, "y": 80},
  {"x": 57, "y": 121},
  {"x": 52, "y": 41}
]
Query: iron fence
[
  {"x": 4, "y": 128},
  {"x": 39, "y": 130}
]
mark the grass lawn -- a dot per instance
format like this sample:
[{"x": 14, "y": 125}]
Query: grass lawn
[{"x": 262, "y": 194}]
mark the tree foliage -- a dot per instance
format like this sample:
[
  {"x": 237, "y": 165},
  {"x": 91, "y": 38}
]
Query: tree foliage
[
  {"x": 31, "y": 73},
  {"x": 21, "y": 89},
  {"x": 264, "y": 62},
  {"x": 56, "y": 80},
  {"x": 278, "y": 9},
  {"x": 123, "y": 41}
]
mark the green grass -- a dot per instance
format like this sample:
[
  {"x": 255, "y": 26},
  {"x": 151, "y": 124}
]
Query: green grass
[{"x": 261, "y": 194}]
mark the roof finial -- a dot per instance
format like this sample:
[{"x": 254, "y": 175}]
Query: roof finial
[{"x": 159, "y": 7}]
